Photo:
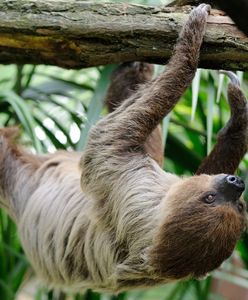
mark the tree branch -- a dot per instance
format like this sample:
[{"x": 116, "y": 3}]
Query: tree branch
[
  {"x": 76, "y": 34},
  {"x": 237, "y": 10}
]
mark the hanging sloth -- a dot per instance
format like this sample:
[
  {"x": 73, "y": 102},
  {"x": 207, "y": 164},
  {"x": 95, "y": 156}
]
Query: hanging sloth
[{"x": 111, "y": 219}]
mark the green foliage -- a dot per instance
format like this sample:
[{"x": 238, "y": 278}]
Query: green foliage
[{"x": 13, "y": 264}]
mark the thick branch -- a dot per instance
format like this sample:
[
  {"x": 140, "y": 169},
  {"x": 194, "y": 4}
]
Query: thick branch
[
  {"x": 237, "y": 10},
  {"x": 75, "y": 34}
]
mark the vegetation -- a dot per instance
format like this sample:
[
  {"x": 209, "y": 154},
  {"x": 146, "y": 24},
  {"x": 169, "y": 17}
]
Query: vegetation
[{"x": 55, "y": 109}]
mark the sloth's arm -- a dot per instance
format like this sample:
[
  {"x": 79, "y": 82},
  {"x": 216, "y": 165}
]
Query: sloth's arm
[
  {"x": 138, "y": 117},
  {"x": 115, "y": 148},
  {"x": 125, "y": 81},
  {"x": 232, "y": 140},
  {"x": 128, "y": 127}
]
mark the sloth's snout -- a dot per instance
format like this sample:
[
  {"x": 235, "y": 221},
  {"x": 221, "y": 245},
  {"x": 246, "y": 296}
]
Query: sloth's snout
[
  {"x": 235, "y": 182},
  {"x": 230, "y": 186}
]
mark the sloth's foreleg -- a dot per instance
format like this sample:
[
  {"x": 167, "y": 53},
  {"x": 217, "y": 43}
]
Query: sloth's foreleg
[
  {"x": 232, "y": 140},
  {"x": 116, "y": 145},
  {"x": 128, "y": 127}
]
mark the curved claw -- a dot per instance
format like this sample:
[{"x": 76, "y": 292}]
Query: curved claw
[
  {"x": 206, "y": 7},
  {"x": 233, "y": 77}
]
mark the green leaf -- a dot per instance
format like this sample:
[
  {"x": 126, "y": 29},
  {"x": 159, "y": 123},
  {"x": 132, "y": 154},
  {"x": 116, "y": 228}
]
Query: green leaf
[
  {"x": 67, "y": 83},
  {"x": 165, "y": 128},
  {"x": 7, "y": 291},
  {"x": 182, "y": 155},
  {"x": 220, "y": 86},
  {"x": 58, "y": 124},
  {"x": 23, "y": 112},
  {"x": 29, "y": 76},
  {"x": 195, "y": 92},
  {"x": 51, "y": 135},
  {"x": 240, "y": 75},
  {"x": 96, "y": 104},
  {"x": 210, "y": 109}
]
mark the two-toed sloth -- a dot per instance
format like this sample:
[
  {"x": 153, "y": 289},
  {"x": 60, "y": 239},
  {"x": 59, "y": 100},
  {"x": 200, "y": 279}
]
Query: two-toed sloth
[{"x": 119, "y": 221}]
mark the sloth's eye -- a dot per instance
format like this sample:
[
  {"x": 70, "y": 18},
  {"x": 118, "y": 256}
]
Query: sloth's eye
[{"x": 210, "y": 198}]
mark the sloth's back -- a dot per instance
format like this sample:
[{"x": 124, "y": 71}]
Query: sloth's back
[
  {"x": 66, "y": 244},
  {"x": 54, "y": 221}
]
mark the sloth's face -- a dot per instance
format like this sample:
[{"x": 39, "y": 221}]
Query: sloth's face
[
  {"x": 209, "y": 191},
  {"x": 206, "y": 218}
]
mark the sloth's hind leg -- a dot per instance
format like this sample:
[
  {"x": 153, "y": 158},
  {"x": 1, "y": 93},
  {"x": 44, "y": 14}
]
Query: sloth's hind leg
[{"x": 232, "y": 140}]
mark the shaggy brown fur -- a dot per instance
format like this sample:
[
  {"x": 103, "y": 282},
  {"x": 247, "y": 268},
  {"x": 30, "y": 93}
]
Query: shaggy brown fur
[
  {"x": 202, "y": 227},
  {"x": 130, "y": 224},
  {"x": 126, "y": 80}
]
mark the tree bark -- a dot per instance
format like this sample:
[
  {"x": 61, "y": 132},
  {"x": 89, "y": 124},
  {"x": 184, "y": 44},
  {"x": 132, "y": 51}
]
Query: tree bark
[
  {"x": 237, "y": 10},
  {"x": 76, "y": 34}
]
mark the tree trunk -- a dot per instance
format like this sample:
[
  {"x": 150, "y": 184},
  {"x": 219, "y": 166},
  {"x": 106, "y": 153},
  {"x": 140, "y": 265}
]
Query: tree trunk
[{"x": 76, "y": 34}]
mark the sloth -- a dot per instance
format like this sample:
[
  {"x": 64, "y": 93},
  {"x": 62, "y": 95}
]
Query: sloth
[{"x": 111, "y": 218}]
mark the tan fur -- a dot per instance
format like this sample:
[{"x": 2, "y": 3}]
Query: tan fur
[{"x": 130, "y": 224}]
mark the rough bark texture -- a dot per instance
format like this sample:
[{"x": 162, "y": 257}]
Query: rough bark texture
[
  {"x": 237, "y": 10},
  {"x": 76, "y": 34}
]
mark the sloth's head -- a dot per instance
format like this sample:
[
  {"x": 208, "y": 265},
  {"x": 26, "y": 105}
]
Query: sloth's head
[{"x": 206, "y": 218}]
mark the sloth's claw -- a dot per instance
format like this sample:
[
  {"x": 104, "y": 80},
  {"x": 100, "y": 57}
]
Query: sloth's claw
[
  {"x": 233, "y": 77},
  {"x": 204, "y": 6}
]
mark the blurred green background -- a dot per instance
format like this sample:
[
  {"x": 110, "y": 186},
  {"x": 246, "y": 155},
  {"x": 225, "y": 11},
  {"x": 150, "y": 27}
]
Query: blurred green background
[{"x": 55, "y": 109}]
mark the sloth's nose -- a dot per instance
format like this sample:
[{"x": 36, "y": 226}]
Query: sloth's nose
[
  {"x": 230, "y": 186},
  {"x": 235, "y": 182}
]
